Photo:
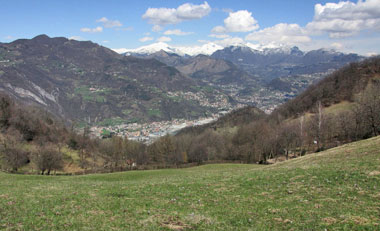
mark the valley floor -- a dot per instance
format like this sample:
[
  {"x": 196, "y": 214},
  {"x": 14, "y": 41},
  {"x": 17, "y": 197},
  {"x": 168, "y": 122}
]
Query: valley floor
[{"x": 338, "y": 189}]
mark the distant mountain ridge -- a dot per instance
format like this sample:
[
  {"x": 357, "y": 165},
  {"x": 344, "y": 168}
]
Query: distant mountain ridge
[
  {"x": 265, "y": 62},
  {"x": 274, "y": 62},
  {"x": 205, "y": 68},
  {"x": 252, "y": 73},
  {"x": 205, "y": 49}
]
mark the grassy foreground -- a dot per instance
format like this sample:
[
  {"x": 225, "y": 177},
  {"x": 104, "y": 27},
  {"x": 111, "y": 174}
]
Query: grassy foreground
[{"x": 335, "y": 190}]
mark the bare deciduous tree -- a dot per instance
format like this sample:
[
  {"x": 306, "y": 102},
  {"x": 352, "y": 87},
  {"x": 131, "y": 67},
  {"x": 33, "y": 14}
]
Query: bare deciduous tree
[
  {"x": 48, "y": 158},
  {"x": 12, "y": 155},
  {"x": 369, "y": 106}
]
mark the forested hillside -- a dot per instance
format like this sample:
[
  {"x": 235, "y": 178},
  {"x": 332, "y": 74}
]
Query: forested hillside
[
  {"x": 346, "y": 84},
  {"x": 340, "y": 109}
]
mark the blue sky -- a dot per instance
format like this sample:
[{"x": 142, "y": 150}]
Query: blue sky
[{"x": 310, "y": 24}]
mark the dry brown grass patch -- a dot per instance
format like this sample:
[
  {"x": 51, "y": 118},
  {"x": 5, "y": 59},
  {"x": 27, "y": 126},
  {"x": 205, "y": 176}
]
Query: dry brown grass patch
[
  {"x": 374, "y": 173},
  {"x": 329, "y": 220},
  {"x": 174, "y": 223}
]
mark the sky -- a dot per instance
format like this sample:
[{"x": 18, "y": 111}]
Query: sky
[{"x": 347, "y": 26}]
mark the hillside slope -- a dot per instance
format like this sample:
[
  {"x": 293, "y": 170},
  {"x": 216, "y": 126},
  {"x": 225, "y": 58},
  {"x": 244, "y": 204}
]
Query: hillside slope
[
  {"x": 342, "y": 85},
  {"x": 239, "y": 117},
  {"x": 348, "y": 111},
  {"x": 84, "y": 82},
  {"x": 332, "y": 190},
  {"x": 203, "y": 67}
]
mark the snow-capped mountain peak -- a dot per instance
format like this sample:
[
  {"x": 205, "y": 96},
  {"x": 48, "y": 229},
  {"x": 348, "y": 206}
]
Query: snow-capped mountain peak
[
  {"x": 210, "y": 48},
  {"x": 152, "y": 48},
  {"x": 205, "y": 49}
]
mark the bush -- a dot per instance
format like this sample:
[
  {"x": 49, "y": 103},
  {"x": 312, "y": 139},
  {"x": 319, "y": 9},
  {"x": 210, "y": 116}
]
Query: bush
[
  {"x": 14, "y": 158},
  {"x": 11, "y": 153},
  {"x": 48, "y": 158}
]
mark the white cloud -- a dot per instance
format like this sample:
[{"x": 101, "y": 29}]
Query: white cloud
[
  {"x": 109, "y": 23},
  {"x": 177, "y": 32},
  {"x": 233, "y": 41},
  {"x": 164, "y": 39},
  {"x": 345, "y": 19},
  {"x": 219, "y": 36},
  {"x": 145, "y": 39},
  {"x": 239, "y": 21},
  {"x": 157, "y": 28},
  {"x": 289, "y": 34},
  {"x": 219, "y": 29},
  {"x": 9, "y": 37},
  {"x": 187, "y": 11},
  {"x": 92, "y": 30}
]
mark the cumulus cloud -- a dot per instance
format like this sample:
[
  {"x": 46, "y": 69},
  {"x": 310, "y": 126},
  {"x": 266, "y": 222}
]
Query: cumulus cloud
[
  {"x": 345, "y": 19},
  {"x": 92, "y": 30},
  {"x": 177, "y": 32},
  {"x": 289, "y": 34},
  {"x": 219, "y": 36},
  {"x": 187, "y": 11},
  {"x": 239, "y": 21},
  {"x": 109, "y": 23},
  {"x": 164, "y": 39},
  {"x": 157, "y": 28},
  {"x": 219, "y": 29},
  {"x": 145, "y": 39},
  {"x": 232, "y": 41}
]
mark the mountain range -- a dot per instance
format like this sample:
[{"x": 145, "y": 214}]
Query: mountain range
[
  {"x": 264, "y": 62},
  {"x": 252, "y": 74},
  {"x": 86, "y": 83}
]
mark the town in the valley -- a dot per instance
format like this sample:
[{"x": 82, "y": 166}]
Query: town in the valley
[{"x": 148, "y": 132}]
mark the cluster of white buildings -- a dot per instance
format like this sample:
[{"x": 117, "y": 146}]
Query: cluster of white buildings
[{"x": 148, "y": 132}]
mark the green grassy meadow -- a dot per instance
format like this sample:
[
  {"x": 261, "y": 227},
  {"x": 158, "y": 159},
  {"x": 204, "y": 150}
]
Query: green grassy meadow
[{"x": 338, "y": 189}]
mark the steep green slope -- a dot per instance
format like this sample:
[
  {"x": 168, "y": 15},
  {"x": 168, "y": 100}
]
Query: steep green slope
[{"x": 333, "y": 190}]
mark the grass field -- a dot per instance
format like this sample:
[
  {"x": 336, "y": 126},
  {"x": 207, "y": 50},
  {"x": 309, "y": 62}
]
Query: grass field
[{"x": 334, "y": 190}]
